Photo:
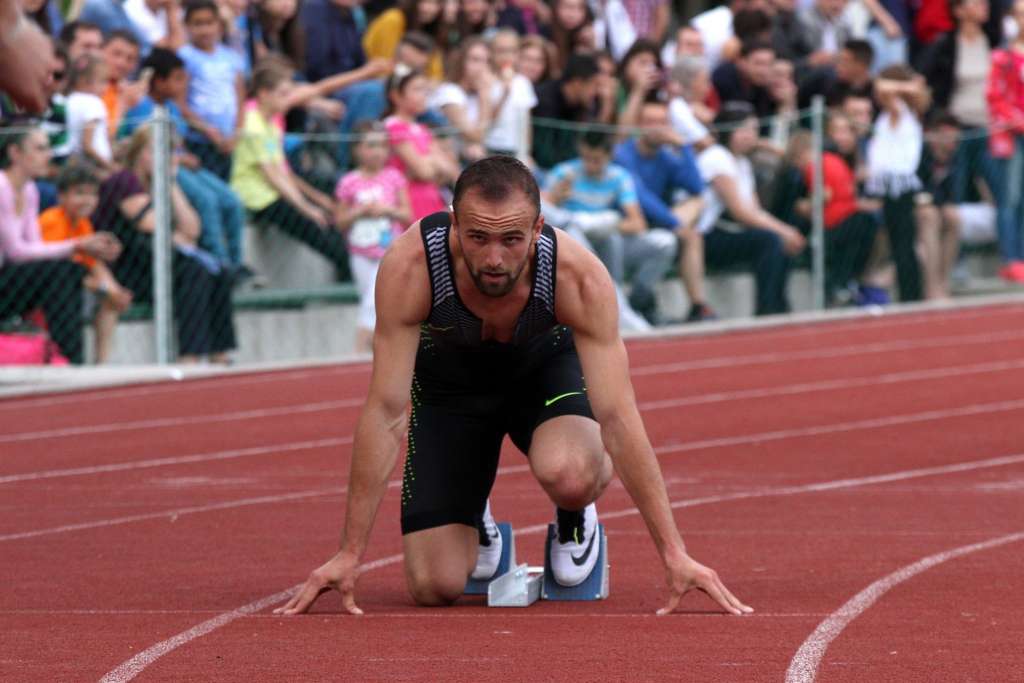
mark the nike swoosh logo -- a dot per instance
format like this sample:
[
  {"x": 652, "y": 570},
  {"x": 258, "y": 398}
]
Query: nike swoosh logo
[
  {"x": 582, "y": 559},
  {"x": 496, "y": 534},
  {"x": 559, "y": 398}
]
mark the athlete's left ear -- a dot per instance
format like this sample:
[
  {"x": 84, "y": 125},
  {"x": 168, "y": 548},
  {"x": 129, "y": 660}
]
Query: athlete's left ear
[{"x": 538, "y": 225}]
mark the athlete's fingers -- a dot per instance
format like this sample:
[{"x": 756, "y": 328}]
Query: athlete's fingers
[
  {"x": 673, "y": 603},
  {"x": 712, "y": 590},
  {"x": 349, "y": 600},
  {"x": 306, "y": 597},
  {"x": 288, "y": 605},
  {"x": 746, "y": 609}
]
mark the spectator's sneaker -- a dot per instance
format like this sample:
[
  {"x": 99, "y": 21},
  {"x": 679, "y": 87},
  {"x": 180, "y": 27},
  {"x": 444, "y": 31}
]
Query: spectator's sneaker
[
  {"x": 575, "y": 549},
  {"x": 700, "y": 313},
  {"x": 873, "y": 296},
  {"x": 1013, "y": 272},
  {"x": 489, "y": 554}
]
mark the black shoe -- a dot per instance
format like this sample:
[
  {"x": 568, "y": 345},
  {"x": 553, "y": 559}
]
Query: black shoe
[{"x": 700, "y": 313}]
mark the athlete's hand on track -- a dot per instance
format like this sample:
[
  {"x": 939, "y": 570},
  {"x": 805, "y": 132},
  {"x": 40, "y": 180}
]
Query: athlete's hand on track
[
  {"x": 688, "y": 574},
  {"x": 339, "y": 573}
]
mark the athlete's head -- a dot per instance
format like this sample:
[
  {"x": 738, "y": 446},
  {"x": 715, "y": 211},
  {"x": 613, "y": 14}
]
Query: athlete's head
[{"x": 496, "y": 217}]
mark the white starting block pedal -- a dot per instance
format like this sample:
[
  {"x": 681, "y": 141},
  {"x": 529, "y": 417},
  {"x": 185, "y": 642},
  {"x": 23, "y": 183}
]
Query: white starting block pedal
[
  {"x": 519, "y": 587},
  {"x": 595, "y": 587},
  {"x": 505, "y": 564}
]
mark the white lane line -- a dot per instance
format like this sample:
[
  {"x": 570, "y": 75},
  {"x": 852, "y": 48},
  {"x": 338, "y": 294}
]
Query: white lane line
[
  {"x": 198, "y": 384},
  {"x": 830, "y": 352},
  {"x": 835, "y": 384},
  {"x": 104, "y": 428},
  {"x": 172, "y": 515},
  {"x": 817, "y": 430},
  {"x": 803, "y": 668},
  {"x": 875, "y": 423},
  {"x": 131, "y": 668},
  {"x": 178, "y": 460}
]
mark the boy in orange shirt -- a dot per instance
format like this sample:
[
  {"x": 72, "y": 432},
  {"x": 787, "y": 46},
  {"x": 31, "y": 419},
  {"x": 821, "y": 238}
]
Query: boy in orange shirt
[{"x": 78, "y": 192}]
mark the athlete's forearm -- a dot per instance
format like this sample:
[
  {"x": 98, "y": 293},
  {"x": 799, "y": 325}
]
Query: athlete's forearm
[
  {"x": 374, "y": 454},
  {"x": 638, "y": 469}
]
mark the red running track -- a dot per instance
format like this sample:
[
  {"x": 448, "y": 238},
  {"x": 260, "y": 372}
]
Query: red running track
[{"x": 859, "y": 483}]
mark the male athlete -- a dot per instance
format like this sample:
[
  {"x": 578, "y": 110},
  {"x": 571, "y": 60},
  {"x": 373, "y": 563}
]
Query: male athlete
[{"x": 491, "y": 319}]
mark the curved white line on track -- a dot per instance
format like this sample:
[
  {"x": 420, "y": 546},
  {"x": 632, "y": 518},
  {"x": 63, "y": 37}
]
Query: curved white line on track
[
  {"x": 803, "y": 668},
  {"x": 131, "y": 668},
  {"x": 294, "y": 409},
  {"x": 830, "y": 352},
  {"x": 817, "y": 430},
  {"x": 178, "y": 460}
]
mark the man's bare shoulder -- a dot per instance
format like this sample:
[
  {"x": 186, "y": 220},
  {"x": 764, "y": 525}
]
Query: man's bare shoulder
[
  {"x": 584, "y": 292},
  {"x": 403, "y": 282}
]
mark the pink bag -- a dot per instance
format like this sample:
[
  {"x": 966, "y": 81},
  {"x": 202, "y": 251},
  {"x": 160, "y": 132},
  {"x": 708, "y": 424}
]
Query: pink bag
[{"x": 29, "y": 349}]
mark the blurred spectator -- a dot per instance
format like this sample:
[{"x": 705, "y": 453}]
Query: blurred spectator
[
  {"x": 121, "y": 55},
  {"x": 157, "y": 23},
  {"x": 850, "y": 75},
  {"x": 1006, "y": 106},
  {"x": 221, "y": 214},
  {"x": 373, "y": 209},
  {"x": 46, "y": 15},
  {"x": 601, "y": 201},
  {"x": 691, "y": 90},
  {"x": 33, "y": 273},
  {"x": 415, "y": 153},
  {"x": 537, "y": 60},
  {"x": 471, "y": 97},
  {"x": 826, "y": 29},
  {"x": 332, "y": 37},
  {"x": 850, "y": 224},
  {"x": 414, "y": 50},
  {"x": 650, "y": 18},
  {"x": 427, "y": 16},
  {"x": 86, "y": 116},
  {"x": 687, "y": 43},
  {"x": 736, "y": 229},
  {"x": 889, "y": 31},
  {"x": 201, "y": 289},
  {"x": 512, "y": 131},
  {"x": 476, "y": 18},
  {"x": 787, "y": 35},
  {"x": 526, "y": 17},
  {"x": 569, "y": 18},
  {"x": 570, "y": 99},
  {"x": 893, "y": 157},
  {"x": 669, "y": 188},
  {"x": 78, "y": 188},
  {"x": 281, "y": 30},
  {"x": 640, "y": 76},
  {"x": 216, "y": 88},
  {"x": 81, "y": 38},
  {"x": 748, "y": 79},
  {"x": 242, "y": 32},
  {"x": 715, "y": 26},
  {"x": 263, "y": 180},
  {"x": 108, "y": 15}
]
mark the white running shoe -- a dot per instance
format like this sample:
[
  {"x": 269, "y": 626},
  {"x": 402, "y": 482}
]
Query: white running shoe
[
  {"x": 489, "y": 554},
  {"x": 575, "y": 548}
]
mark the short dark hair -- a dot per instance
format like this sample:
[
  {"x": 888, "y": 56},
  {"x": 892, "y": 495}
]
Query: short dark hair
[
  {"x": 939, "y": 118},
  {"x": 731, "y": 114},
  {"x": 13, "y": 136},
  {"x": 639, "y": 47},
  {"x": 861, "y": 50},
  {"x": 124, "y": 34},
  {"x": 495, "y": 178},
  {"x": 592, "y": 138},
  {"x": 267, "y": 75},
  {"x": 751, "y": 24},
  {"x": 751, "y": 46},
  {"x": 163, "y": 62},
  {"x": 580, "y": 67},
  {"x": 71, "y": 29},
  {"x": 75, "y": 175},
  {"x": 418, "y": 40},
  {"x": 198, "y": 6}
]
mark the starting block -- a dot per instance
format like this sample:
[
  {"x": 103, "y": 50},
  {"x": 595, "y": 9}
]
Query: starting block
[
  {"x": 595, "y": 587},
  {"x": 505, "y": 564},
  {"x": 522, "y": 585}
]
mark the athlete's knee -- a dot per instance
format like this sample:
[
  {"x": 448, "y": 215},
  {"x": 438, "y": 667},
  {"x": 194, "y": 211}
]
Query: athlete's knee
[
  {"x": 433, "y": 590},
  {"x": 574, "y": 482}
]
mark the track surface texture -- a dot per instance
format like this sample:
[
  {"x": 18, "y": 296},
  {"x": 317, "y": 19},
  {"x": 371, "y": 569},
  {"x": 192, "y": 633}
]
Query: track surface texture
[{"x": 860, "y": 483}]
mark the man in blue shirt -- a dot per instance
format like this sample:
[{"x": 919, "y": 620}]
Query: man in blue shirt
[
  {"x": 599, "y": 200},
  {"x": 668, "y": 185}
]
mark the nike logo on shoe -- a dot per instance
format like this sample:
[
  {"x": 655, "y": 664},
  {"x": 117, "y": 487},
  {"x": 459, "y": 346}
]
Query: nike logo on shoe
[
  {"x": 582, "y": 559},
  {"x": 560, "y": 397}
]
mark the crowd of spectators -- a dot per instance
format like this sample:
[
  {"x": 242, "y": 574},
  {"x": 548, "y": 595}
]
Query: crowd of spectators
[{"x": 664, "y": 136}]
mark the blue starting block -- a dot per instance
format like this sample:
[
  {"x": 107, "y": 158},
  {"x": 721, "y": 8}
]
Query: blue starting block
[
  {"x": 595, "y": 587},
  {"x": 505, "y": 564}
]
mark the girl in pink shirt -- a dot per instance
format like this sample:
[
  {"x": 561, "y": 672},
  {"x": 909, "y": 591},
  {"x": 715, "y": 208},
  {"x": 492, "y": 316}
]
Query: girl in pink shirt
[
  {"x": 373, "y": 209},
  {"x": 414, "y": 151}
]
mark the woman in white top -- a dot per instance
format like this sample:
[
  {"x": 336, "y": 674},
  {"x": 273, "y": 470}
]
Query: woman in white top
[{"x": 736, "y": 228}]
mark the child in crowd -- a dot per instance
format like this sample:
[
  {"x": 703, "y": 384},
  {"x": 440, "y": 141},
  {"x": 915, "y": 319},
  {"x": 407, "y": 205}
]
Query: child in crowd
[
  {"x": 414, "y": 151},
  {"x": 512, "y": 132},
  {"x": 216, "y": 88},
  {"x": 373, "y": 209},
  {"x": 86, "y": 115},
  {"x": 78, "y": 192}
]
